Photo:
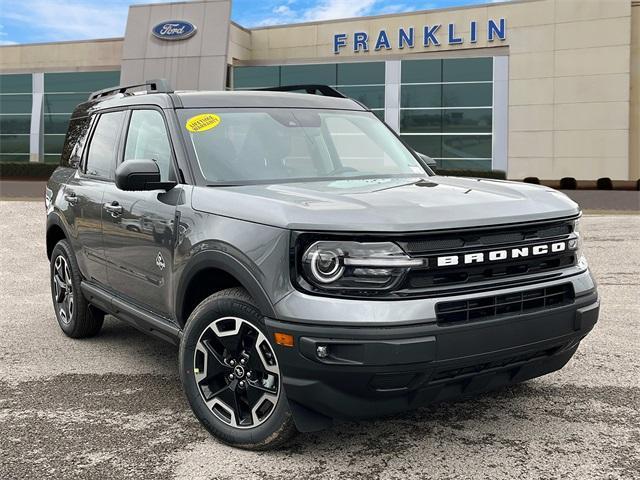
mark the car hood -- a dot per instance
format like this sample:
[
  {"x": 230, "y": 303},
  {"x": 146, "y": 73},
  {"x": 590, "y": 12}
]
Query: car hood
[{"x": 386, "y": 205}]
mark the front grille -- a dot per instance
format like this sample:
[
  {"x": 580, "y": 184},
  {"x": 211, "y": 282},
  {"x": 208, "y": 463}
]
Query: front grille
[
  {"x": 431, "y": 280},
  {"x": 478, "y": 238},
  {"x": 419, "y": 279},
  {"x": 508, "y": 304}
]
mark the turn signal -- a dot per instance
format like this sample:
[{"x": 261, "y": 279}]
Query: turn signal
[{"x": 284, "y": 339}]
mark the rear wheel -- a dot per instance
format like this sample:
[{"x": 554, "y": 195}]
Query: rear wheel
[
  {"x": 76, "y": 317},
  {"x": 231, "y": 375}
]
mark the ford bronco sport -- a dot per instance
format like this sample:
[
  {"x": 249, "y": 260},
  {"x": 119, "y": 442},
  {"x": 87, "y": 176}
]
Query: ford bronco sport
[{"x": 307, "y": 262}]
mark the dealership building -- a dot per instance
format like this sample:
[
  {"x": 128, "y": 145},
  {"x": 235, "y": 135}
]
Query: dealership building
[{"x": 545, "y": 88}]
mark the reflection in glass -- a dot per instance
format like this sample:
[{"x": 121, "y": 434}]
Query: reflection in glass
[
  {"x": 467, "y": 120},
  {"x": 464, "y": 164},
  {"x": 256, "y": 77},
  {"x": 15, "y": 103},
  {"x": 14, "y": 144},
  {"x": 85, "y": 82},
  {"x": 372, "y": 97},
  {"x": 361, "y": 73},
  {"x": 16, "y": 83},
  {"x": 417, "y": 96},
  {"x": 53, "y": 143},
  {"x": 466, "y": 146},
  {"x": 15, "y": 124},
  {"x": 56, "y": 123},
  {"x": 430, "y": 145},
  {"x": 467, "y": 69},
  {"x": 467, "y": 95},
  {"x": 421, "y": 71},
  {"x": 421, "y": 121},
  {"x": 62, "y": 102},
  {"x": 323, "y": 74}
]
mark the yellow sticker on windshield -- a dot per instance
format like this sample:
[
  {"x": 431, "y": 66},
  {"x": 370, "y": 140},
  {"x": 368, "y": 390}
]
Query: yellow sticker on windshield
[{"x": 202, "y": 122}]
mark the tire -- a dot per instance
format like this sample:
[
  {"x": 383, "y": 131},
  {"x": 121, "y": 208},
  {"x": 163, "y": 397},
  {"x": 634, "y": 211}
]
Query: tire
[
  {"x": 76, "y": 317},
  {"x": 243, "y": 407}
]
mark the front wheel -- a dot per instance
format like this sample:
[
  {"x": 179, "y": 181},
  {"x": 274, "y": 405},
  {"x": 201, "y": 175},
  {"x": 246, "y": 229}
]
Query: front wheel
[{"x": 231, "y": 375}]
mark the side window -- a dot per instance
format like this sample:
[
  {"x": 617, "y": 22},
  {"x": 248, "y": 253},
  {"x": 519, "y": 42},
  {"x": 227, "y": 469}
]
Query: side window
[
  {"x": 104, "y": 143},
  {"x": 74, "y": 141},
  {"x": 148, "y": 139}
]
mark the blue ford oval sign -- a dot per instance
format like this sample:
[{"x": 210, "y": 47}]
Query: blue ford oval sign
[{"x": 173, "y": 30}]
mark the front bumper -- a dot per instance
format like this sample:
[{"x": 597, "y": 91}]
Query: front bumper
[{"x": 375, "y": 371}]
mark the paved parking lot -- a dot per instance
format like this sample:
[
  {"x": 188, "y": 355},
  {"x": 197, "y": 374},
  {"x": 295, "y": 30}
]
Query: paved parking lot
[{"x": 112, "y": 407}]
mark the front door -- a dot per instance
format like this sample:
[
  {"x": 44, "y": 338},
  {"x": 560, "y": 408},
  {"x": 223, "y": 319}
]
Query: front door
[{"x": 139, "y": 227}]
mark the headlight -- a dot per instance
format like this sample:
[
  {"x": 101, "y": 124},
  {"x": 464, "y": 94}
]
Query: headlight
[
  {"x": 375, "y": 266},
  {"x": 577, "y": 246},
  {"x": 325, "y": 265}
]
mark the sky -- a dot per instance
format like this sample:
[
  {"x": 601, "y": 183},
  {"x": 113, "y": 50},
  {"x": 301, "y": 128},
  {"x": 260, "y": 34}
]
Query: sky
[{"x": 32, "y": 21}]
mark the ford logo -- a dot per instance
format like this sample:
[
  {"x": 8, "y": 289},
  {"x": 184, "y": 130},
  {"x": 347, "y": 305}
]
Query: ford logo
[{"x": 173, "y": 30}]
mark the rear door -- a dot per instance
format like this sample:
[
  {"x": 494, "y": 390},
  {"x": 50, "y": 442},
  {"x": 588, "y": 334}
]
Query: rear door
[
  {"x": 84, "y": 192},
  {"x": 139, "y": 227}
]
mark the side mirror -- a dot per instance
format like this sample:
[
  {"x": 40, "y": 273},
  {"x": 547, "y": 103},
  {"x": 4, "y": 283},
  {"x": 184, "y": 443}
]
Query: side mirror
[
  {"x": 428, "y": 160},
  {"x": 140, "y": 175}
]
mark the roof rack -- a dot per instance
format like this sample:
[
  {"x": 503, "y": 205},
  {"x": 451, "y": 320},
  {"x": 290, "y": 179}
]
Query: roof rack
[
  {"x": 325, "y": 90},
  {"x": 159, "y": 85}
]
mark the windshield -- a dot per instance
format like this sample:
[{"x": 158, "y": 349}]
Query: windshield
[{"x": 240, "y": 146}]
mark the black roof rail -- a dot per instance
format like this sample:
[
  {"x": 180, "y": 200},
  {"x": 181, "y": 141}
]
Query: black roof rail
[
  {"x": 159, "y": 85},
  {"x": 325, "y": 90}
]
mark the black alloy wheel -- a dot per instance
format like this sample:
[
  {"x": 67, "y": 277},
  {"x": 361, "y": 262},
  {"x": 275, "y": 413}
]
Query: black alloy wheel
[{"x": 237, "y": 372}]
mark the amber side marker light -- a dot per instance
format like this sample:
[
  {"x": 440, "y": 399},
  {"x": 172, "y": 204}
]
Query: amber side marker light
[{"x": 284, "y": 339}]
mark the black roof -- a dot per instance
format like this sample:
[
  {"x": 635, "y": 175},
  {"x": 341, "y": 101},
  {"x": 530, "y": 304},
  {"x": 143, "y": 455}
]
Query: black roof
[{"x": 159, "y": 93}]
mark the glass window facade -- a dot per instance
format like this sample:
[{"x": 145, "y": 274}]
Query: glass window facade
[
  {"x": 15, "y": 117},
  {"x": 446, "y": 105},
  {"x": 62, "y": 92},
  {"x": 363, "y": 81},
  {"x": 446, "y": 110}
]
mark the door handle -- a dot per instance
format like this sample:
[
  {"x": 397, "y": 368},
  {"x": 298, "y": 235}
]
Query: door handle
[
  {"x": 71, "y": 198},
  {"x": 114, "y": 208}
]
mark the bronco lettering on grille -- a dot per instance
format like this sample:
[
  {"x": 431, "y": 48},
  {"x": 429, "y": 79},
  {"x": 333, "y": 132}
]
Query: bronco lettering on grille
[{"x": 503, "y": 254}]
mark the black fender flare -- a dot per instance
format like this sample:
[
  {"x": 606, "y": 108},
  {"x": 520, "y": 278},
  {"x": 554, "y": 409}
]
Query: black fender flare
[
  {"x": 229, "y": 264},
  {"x": 54, "y": 219}
]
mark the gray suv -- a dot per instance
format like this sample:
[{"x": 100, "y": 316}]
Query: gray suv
[{"x": 308, "y": 263}]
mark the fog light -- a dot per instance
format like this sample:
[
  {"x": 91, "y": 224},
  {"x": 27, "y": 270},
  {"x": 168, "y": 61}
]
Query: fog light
[{"x": 322, "y": 351}]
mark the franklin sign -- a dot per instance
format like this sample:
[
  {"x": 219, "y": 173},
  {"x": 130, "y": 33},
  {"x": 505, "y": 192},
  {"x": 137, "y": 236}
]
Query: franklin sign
[
  {"x": 174, "y": 30},
  {"x": 426, "y": 37}
]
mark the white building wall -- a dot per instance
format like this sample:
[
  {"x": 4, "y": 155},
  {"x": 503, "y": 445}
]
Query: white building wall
[{"x": 199, "y": 62}]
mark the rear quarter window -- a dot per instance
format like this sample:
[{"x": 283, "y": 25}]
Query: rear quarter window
[{"x": 75, "y": 140}]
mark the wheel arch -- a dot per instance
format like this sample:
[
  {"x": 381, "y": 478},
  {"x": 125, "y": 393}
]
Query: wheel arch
[
  {"x": 56, "y": 231},
  {"x": 227, "y": 271}
]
